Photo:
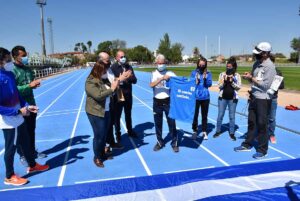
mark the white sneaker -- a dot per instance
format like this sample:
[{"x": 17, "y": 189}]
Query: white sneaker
[{"x": 204, "y": 135}]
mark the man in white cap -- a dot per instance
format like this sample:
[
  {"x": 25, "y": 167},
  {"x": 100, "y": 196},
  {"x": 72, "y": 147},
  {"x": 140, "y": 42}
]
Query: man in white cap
[{"x": 261, "y": 77}]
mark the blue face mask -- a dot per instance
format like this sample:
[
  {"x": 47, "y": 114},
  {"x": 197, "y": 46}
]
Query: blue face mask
[
  {"x": 123, "y": 60},
  {"x": 161, "y": 67},
  {"x": 24, "y": 60}
]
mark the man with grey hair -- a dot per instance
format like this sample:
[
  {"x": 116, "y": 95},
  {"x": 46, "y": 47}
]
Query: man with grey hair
[
  {"x": 261, "y": 78},
  {"x": 161, "y": 103}
]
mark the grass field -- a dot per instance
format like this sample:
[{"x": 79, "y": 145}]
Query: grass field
[{"x": 291, "y": 74}]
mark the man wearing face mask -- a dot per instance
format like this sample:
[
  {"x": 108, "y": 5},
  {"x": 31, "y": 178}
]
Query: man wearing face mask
[
  {"x": 118, "y": 68},
  {"x": 261, "y": 78},
  {"x": 26, "y": 83},
  {"x": 12, "y": 110},
  {"x": 161, "y": 103}
]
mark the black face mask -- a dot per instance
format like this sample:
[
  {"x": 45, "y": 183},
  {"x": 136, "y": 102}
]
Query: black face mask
[
  {"x": 258, "y": 57},
  {"x": 201, "y": 68},
  {"x": 229, "y": 71}
]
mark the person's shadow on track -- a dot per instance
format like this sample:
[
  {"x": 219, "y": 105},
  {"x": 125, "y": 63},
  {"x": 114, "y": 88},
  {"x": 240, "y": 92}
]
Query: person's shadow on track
[
  {"x": 187, "y": 141},
  {"x": 126, "y": 140},
  {"x": 82, "y": 139},
  {"x": 62, "y": 159}
]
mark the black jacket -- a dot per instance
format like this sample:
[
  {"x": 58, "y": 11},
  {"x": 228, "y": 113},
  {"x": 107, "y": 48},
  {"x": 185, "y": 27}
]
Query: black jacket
[{"x": 117, "y": 69}]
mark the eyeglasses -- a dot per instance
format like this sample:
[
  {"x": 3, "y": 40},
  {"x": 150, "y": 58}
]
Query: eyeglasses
[{"x": 123, "y": 57}]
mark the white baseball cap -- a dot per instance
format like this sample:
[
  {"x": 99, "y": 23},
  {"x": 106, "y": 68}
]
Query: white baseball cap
[{"x": 262, "y": 47}]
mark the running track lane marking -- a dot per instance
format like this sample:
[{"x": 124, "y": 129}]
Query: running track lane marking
[
  {"x": 186, "y": 170},
  {"x": 52, "y": 103},
  {"x": 60, "y": 83},
  {"x": 267, "y": 159},
  {"x": 203, "y": 147},
  {"x": 63, "y": 170},
  {"x": 142, "y": 160},
  {"x": 28, "y": 187},
  {"x": 277, "y": 150},
  {"x": 108, "y": 179}
]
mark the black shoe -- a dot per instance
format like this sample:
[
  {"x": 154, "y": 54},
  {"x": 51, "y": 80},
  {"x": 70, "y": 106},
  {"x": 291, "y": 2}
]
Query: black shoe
[
  {"x": 232, "y": 137},
  {"x": 132, "y": 134},
  {"x": 157, "y": 147},
  {"x": 217, "y": 134},
  {"x": 243, "y": 136},
  {"x": 117, "y": 146},
  {"x": 98, "y": 163},
  {"x": 175, "y": 149}
]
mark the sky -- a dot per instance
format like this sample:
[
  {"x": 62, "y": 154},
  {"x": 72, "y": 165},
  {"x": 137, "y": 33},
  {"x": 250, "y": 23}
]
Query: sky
[{"x": 240, "y": 24}]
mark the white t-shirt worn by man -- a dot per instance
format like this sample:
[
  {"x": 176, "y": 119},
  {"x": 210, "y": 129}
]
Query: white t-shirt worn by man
[{"x": 161, "y": 91}]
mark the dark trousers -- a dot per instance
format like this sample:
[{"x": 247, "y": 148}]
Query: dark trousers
[
  {"x": 127, "y": 105},
  {"x": 10, "y": 147},
  {"x": 31, "y": 125},
  {"x": 99, "y": 126},
  {"x": 204, "y": 111},
  {"x": 258, "y": 123},
  {"x": 160, "y": 107}
]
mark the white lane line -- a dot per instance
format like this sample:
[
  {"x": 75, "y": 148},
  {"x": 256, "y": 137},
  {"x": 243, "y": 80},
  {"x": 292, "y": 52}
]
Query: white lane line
[
  {"x": 186, "y": 170},
  {"x": 108, "y": 179},
  {"x": 2, "y": 151},
  {"x": 277, "y": 150},
  {"x": 203, "y": 147},
  {"x": 51, "y": 115},
  {"x": 149, "y": 173},
  {"x": 60, "y": 83},
  {"x": 53, "y": 140},
  {"x": 63, "y": 170},
  {"x": 53, "y": 79},
  {"x": 260, "y": 160},
  {"x": 52, "y": 103},
  {"x": 59, "y": 111},
  {"x": 28, "y": 187}
]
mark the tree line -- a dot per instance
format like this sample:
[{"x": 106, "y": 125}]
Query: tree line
[{"x": 142, "y": 55}]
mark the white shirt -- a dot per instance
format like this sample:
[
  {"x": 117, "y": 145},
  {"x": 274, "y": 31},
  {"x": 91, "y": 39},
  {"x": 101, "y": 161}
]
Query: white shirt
[
  {"x": 161, "y": 91},
  {"x": 9, "y": 122},
  {"x": 107, "y": 101}
]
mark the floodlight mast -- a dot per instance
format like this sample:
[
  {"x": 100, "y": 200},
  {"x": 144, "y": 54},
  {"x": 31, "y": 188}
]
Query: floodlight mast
[{"x": 42, "y": 3}]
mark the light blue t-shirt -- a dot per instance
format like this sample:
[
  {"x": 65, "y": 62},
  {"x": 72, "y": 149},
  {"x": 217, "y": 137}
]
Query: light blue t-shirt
[{"x": 183, "y": 98}]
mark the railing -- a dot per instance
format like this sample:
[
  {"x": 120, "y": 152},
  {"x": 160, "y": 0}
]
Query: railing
[{"x": 52, "y": 71}]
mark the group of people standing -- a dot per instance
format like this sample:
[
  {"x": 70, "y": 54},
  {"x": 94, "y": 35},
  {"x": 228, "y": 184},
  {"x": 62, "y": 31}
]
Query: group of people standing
[
  {"x": 18, "y": 113},
  {"x": 109, "y": 89}
]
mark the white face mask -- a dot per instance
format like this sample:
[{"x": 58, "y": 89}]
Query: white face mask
[
  {"x": 123, "y": 60},
  {"x": 9, "y": 66},
  {"x": 104, "y": 76},
  {"x": 161, "y": 67}
]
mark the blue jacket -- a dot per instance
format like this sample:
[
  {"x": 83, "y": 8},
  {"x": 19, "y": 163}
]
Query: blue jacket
[
  {"x": 9, "y": 94},
  {"x": 202, "y": 92}
]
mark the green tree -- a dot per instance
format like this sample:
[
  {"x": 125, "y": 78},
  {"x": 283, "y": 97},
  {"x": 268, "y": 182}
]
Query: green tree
[
  {"x": 294, "y": 57},
  {"x": 81, "y": 47},
  {"x": 105, "y": 46},
  {"x": 164, "y": 47},
  {"x": 196, "y": 52},
  {"x": 89, "y": 44},
  {"x": 140, "y": 54},
  {"x": 176, "y": 53},
  {"x": 117, "y": 45},
  {"x": 295, "y": 44}
]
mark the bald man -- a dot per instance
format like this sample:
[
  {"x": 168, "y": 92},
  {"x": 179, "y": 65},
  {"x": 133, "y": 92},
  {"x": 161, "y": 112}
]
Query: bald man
[{"x": 118, "y": 68}]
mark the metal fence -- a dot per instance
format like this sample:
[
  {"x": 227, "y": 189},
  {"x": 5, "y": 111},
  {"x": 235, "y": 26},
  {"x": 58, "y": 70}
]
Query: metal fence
[{"x": 52, "y": 71}]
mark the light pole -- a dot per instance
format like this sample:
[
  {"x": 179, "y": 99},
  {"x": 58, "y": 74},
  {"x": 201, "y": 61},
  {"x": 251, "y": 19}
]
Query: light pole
[{"x": 42, "y": 3}]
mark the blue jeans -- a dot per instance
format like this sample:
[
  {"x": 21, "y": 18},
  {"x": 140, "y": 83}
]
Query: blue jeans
[
  {"x": 100, "y": 126},
  {"x": 222, "y": 105},
  {"x": 272, "y": 117},
  {"x": 159, "y": 107}
]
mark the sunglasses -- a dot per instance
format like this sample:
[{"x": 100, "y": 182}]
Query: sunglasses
[{"x": 123, "y": 57}]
